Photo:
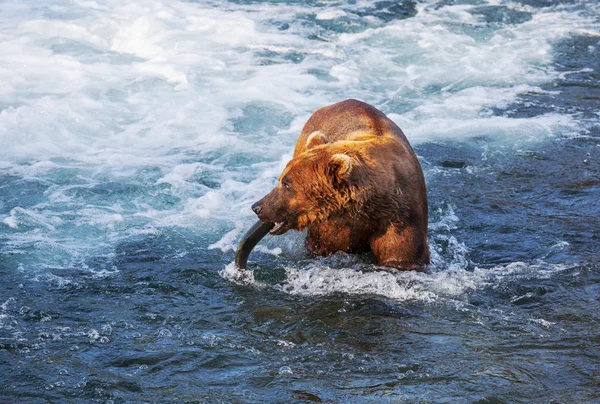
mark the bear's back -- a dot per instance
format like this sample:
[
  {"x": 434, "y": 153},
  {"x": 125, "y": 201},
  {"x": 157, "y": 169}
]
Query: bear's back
[{"x": 341, "y": 120}]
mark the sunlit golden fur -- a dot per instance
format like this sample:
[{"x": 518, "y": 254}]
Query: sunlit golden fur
[
  {"x": 314, "y": 139},
  {"x": 356, "y": 184}
]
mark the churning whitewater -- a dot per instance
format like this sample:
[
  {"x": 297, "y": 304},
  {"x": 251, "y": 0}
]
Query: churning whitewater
[{"x": 135, "y": 137}]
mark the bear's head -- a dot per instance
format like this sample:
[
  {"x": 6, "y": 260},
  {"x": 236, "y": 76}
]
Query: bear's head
[{"x": 313, "y": 186}]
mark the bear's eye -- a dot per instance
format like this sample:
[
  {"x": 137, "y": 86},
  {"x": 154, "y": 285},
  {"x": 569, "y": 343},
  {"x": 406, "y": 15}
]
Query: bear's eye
[{"x": 286, "y": 182}]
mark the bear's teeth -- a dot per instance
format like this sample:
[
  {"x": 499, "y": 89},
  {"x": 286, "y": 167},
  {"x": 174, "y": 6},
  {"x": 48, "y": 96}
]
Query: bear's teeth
[{"x": 278, "y": 226}]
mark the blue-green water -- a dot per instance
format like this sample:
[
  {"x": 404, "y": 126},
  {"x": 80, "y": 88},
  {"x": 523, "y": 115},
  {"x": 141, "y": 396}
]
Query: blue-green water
[{"x": 135, "y": 136}]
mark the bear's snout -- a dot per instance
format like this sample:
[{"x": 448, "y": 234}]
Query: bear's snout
[
  {"x": 257, "y": 207},
  {"x": 270, "y": 209}
]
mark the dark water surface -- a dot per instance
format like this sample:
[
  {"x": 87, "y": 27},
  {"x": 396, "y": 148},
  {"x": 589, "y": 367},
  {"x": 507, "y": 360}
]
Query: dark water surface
[{"x": 136, "y": 137}]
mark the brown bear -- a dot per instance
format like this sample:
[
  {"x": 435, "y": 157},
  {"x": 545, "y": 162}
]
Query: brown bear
[{"x": 356, "y": 185}]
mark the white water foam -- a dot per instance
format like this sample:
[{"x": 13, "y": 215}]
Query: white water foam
[
  {"x": 444, "y": 284},
  {"x": 122, "y": 111}
]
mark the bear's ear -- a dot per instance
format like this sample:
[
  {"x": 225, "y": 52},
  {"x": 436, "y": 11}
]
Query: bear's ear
[
  {"x": 315, "y": 139},
  {"x": 339, "y": 169}
]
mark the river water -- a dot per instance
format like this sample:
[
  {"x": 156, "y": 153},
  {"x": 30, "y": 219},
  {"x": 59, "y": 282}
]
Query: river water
[{"x": 134, "y": 136}]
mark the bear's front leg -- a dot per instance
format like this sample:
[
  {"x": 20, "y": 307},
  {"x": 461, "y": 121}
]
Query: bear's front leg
[
  {"x": 403, "y": 248},
  {"x": 337, "y": 234}
]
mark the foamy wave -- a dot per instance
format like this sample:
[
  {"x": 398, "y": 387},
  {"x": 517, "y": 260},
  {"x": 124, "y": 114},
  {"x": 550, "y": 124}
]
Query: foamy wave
[
  {"x": 27, "y": 217},
  {"x": 320, "y": 281},
  {"x": 240, "y": 276},
  {"x": 188, "y": 75},
  {"x": 446, "y": 284}
]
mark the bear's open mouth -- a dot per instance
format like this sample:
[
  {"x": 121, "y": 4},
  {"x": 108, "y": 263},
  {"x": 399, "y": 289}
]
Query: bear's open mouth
[{"x": 280, "y": 228}]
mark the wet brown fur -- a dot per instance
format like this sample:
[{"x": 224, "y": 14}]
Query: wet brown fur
[{"x": 356, "y": 184}]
